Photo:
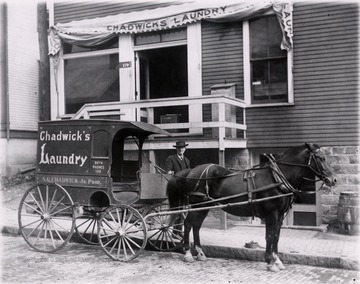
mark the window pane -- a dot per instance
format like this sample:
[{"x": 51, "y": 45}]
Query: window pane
[
  {"x": 70, "y": 48},
  {"x": 160, "y": 36},
  {"x": 269, "y": 81},
  {"x": 265, "y": 38},
  {"x": 101, "y": 142},
  {"x": 91, "y": 80},
  {"x": 268, "y": 61}
]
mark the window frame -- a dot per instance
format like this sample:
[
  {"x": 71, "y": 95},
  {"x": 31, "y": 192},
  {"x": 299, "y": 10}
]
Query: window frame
[
  {"x": 60, "y": 111},
  {"x": 247, "y": 71}
]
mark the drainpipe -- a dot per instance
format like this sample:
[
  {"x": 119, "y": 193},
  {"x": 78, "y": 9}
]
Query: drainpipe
[{"x": 5, "y": 79}]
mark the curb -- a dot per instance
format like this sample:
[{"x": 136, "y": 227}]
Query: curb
[
  {"x": 252, "y": 254},
  {"x": 286, "y": 258}
]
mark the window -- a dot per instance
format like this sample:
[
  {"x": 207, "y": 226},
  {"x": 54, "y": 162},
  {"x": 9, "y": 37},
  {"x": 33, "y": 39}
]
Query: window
[
  {"x": 269, "y": 77},
  {"x": 90, "y": 76},
  {"x": 160, "y": 36}
]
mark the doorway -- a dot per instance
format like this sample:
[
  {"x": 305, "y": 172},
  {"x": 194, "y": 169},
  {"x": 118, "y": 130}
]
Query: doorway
[{"x": 163, "y": 73}]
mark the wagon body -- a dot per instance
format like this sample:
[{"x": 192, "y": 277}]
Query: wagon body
[{"x": 98, "y": 162}]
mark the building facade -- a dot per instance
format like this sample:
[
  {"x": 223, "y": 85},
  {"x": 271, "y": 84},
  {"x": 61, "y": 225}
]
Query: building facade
[
  {"x": 19, "y": 85},
  {"x": 233, "y": 79}
]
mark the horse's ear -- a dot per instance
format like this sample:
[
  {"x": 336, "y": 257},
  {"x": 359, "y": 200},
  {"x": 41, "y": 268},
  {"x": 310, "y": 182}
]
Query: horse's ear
[
  {"x": 312, "y": 147},
  {"x": 309, "y": 147}
]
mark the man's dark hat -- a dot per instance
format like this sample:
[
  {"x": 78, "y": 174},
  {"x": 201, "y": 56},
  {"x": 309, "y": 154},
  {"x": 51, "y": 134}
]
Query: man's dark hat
[{"x": 180, "y": 144}]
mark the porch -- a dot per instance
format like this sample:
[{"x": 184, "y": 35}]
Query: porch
[{"x": 212, "y": 122}]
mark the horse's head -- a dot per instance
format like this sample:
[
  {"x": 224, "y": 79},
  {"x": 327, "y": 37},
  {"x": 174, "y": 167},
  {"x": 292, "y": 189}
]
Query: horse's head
[{"x": 319, "y": 165}]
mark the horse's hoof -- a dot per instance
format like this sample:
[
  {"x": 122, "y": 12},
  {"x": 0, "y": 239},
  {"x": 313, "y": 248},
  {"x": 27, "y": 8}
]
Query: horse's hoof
[
  {"x": 273, "y": 268},
  {"x": 201, "y": 257},
  {"x": 189, "y": 258},
  {"x": 280, "y": 265}
]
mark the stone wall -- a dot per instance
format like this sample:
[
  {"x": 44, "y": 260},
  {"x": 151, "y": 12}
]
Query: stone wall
[
  {"x": 346, "y": 166},
  {"x": 238, "y": 159}
]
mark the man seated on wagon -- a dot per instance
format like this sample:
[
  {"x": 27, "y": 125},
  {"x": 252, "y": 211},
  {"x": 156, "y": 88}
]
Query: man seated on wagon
[{"x": 177, "y": 162}]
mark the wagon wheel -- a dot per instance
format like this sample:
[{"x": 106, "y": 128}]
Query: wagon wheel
[
  {"x": 122, "y": 232},
  {"x": 163, "y": 234},
  {"x": 86, "y": 227},
  {"x": 46, "y": 217}
]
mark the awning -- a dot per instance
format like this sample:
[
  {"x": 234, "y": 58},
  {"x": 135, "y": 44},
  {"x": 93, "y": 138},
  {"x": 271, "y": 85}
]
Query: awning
[{"x": 93, "y": 32}]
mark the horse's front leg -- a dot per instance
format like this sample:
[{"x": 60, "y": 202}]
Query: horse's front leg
[
  {"x": 197, "y": 222},
  {"x": 187, "y": 228},
  {"x": 271, "y": 243},
  {"x": 200, "y": 254},
  {"x": 278, "y": 262}
]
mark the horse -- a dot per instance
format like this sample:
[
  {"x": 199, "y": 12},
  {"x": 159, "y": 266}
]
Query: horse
[{"x": 266, "y": 191}]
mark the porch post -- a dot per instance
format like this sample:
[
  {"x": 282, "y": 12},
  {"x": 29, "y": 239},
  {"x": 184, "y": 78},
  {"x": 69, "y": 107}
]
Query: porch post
[{"x": 223, "y": 214}]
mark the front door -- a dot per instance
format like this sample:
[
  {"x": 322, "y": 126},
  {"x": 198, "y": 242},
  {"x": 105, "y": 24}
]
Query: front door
[{"x": 142, "y": 85}]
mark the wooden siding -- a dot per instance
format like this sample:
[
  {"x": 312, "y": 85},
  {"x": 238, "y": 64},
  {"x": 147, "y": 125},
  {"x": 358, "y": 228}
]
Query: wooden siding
[
  {"x": 222, "y": 58},
  {"x": 66, "y": 12},
  {"x": 23, "y": 66},
  {"x": 326, "y": 80}
]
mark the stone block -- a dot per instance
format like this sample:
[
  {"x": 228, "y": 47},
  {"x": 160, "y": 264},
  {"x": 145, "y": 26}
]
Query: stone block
[
  {"x": 346, "y": 169},
  {"x": 338, "y": 150},
  {"x": 341, "y": 180},
  {"x": 329, "y": 209},
  {"x": 327, "y": 151},
  {"x": 343, "y": 159},
  {"x": 354, "y": 159},
  {"x": 354, "y": 179},
  {"x": 330, "y": 199},
  {"x": 353, "y": 150}
]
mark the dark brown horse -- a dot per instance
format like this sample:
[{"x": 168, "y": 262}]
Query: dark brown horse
[{"x": 278, "y": 179}]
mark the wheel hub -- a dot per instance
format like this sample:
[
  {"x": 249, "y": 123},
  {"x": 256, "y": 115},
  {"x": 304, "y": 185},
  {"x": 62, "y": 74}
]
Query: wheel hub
[
  {"x": 121, "y": 232},
  {"x": 46, "y": 216}
]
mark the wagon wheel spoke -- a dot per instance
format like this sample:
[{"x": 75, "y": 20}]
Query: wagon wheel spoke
[
  {"x": 45, "y": 217},
  {"x": 87, "y": 230},
  {"x": 164, "y": 235},
  {"x": 34, "y": 230},
  {"x": 122, "y": 232},
  {"x": 61, "y": 210}
]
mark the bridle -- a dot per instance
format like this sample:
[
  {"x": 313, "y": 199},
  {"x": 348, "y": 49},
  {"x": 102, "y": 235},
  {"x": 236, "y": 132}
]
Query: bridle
[{"x": 316, "y": 171}]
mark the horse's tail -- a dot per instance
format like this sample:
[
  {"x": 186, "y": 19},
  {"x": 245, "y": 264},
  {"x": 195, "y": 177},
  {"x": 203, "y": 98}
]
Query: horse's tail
[{"x": 176, "y": 189}]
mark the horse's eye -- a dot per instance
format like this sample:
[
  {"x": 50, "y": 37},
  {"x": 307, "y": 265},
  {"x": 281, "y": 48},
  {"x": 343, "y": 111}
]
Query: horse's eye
[{"x": 322, "y": 159}]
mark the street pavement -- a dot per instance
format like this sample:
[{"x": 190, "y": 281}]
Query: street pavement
[
  {"x": 296, "y": 246},
  {"x": 79, "y": 263}
]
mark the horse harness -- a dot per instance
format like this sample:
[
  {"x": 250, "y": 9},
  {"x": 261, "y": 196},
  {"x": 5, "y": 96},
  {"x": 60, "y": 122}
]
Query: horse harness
[{"x": 249, "y": 177}]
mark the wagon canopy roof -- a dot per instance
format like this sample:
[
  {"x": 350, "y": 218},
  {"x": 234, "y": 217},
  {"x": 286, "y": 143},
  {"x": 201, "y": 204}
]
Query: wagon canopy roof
[{"x": 144, "y": 129}]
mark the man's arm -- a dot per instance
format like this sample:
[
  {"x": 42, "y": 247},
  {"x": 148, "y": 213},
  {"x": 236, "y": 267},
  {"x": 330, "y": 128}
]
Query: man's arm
[{"x": 169, "y": 168}]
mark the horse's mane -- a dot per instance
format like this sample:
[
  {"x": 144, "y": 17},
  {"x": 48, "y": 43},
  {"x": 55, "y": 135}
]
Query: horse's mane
[
  {"x": 293, "y": 151},
  {"x": 290, "y": 152}
]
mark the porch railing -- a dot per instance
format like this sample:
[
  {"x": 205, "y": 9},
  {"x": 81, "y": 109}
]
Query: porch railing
[{"x": 226, "y": 115}]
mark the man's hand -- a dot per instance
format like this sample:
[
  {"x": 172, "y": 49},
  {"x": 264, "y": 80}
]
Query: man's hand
[{"x": 170, "y": 172}]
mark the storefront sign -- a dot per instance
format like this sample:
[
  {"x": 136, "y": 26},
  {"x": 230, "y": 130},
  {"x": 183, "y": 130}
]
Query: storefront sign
[
  {"x": 166, "y": 23},
  {"x": 91, "y": 32}
]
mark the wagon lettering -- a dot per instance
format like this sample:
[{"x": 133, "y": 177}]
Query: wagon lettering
[
  {"x": 64, "y": 136},
  {"x": 72, "y": 159}
]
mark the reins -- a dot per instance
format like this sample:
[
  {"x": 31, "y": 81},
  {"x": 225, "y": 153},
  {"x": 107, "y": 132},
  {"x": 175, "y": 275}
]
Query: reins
[{"x": 272, "y": 164}]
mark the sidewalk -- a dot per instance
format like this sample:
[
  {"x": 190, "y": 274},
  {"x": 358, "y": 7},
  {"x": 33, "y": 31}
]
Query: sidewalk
[
  {"x": 316, "y": 247},
  {"x": 298, "y": 246}
]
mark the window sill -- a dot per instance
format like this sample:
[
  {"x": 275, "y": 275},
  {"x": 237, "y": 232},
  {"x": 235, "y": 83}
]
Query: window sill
[{"x": 269, "y": 105}]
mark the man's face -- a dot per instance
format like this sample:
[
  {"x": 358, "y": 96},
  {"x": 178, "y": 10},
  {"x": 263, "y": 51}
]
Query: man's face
[{"x": 180, "y": 150}]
